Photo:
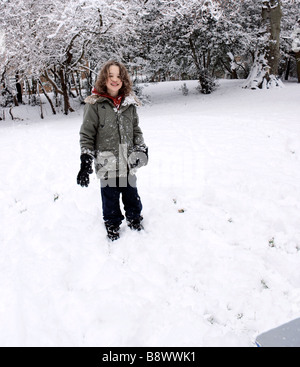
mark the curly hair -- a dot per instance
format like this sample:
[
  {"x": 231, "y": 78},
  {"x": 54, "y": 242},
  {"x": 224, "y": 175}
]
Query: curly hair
[{"x": 100, "y": 84}]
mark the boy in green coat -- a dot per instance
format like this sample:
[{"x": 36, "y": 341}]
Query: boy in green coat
[{"x": 110, "y": 135}]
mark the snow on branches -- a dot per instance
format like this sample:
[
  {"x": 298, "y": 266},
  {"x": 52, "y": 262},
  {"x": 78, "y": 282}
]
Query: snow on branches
[
  {"x": 61, "y": 44},
  {"x": 53, "y": 39},
  {"x": 201, "y": 10},
  {"x": 296, "y": 38}
]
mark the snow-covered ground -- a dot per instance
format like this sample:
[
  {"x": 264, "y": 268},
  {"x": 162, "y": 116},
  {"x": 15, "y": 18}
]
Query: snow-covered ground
[{"x": 219, "y": 260}]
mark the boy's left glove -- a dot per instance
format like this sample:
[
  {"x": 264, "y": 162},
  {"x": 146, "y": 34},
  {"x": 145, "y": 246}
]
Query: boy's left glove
[
  {"x": 85, "y": 170},
  {"x": 139, "y": 157}
]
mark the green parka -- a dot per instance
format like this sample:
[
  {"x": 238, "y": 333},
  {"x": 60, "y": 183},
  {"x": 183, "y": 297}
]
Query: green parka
[{"x": 112, "y": 136}]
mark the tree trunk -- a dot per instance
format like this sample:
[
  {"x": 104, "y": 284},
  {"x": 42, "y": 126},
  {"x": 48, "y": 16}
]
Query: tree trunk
[
  {"x": 19, "y": 89},
  {"x": 264, "y": 73},
  {"x": 64, "y": 87},
  {"x": 288, "y": 68},
  {"x": 298, "y": 65},
  {"x": 207, "y": 84},
  {"x": 271, "y": 15},
  {"x": 28, "y": 90},
  {"x": 47, "y": 97},
  {"x": 34, "y": 87},
  {"x": 194, "y": 53}
]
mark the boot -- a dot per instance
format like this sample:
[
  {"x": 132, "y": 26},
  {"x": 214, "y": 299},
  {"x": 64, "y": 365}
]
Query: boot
[
  {"x": 112, "y": 231},
  {"x": 135, "y": 224}
]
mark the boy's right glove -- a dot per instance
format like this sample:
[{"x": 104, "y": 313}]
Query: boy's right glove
[
  {"x": 85, "y": 170},
  {"x": 139, "y": 157}
]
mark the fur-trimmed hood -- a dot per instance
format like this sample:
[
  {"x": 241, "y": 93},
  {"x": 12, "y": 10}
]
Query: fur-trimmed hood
[{"x": 129, "y": 100}]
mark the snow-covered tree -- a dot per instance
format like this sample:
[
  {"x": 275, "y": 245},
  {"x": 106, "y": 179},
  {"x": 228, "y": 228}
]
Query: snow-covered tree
[
  {"x": 264, "y": 73},
  {"x": 54, "y": 39},
  {"x": 296, "y": 46},
  {"x": 237, "y": 36},
  {"x": 170, "y": 42},
  {"x": 63, "y": 43},
  {"x": 291, "y": 16},
  {"x": 79, "y": 28}
]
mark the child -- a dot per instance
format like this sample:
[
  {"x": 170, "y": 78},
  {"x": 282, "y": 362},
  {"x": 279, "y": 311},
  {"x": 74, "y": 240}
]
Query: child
[{"x": 111, "y": 135}]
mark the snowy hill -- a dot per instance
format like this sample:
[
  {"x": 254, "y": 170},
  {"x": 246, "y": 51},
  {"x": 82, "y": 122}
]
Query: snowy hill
[{"x": 218, "y": 262}]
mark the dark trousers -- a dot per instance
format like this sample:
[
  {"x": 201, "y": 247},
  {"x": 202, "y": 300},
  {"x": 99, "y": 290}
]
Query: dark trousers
[{"x": 111, "y": 191}]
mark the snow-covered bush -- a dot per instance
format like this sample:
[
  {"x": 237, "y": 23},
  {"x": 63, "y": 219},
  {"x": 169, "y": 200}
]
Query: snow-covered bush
[
  {"x": 184, "y": 89},
  {"x": 207, "y": 83}
]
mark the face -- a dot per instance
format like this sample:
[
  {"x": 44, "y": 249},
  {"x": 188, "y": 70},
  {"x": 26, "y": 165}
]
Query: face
[{"x": 114, "y": 82}]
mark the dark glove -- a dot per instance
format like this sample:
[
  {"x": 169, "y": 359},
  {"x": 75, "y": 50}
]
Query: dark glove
[
  {"x": 139, "y": 157},
  {"x": 85, "y": 170}
]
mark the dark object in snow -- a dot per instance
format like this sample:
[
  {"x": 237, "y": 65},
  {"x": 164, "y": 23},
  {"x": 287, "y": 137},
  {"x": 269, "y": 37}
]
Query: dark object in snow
[
  {"x": 113, "y": 231},
  {"x": 285, "y": 336},
  {"x": 184, "y": 89},
  {"x": 85, "y": 170},
  {"x": 135, "y": 224}
]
